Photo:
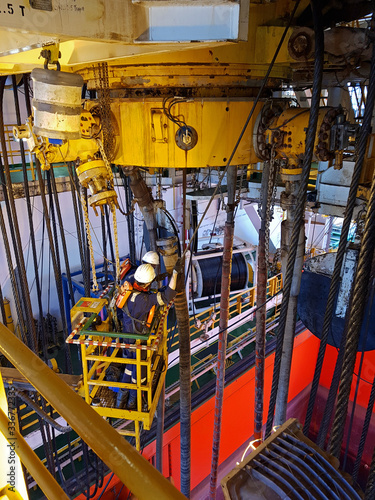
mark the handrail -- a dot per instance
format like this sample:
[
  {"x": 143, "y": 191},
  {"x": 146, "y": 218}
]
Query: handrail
[
  {"x": 274, "y": 284},
  {"x": 129, "y": 466}
]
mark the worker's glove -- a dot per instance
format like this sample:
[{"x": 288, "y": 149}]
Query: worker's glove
[{"x": 179, "y": 266}]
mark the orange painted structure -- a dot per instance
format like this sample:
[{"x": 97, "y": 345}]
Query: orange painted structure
[{"x": 238, "y": 410}]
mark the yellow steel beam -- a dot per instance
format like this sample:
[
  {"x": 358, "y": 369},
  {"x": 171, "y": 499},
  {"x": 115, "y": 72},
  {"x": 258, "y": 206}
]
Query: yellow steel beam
[
  {"x": 45, "y": 480},
  {"x": 129, "y": 466}
]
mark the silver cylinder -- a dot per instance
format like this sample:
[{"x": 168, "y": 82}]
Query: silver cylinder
[{"x": 56, "y": 104}]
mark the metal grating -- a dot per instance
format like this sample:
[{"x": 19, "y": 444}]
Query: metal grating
[{"x": 288, "y": 466}]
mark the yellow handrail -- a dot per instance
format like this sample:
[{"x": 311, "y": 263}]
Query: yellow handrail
[{"x": 129, "y": 466}]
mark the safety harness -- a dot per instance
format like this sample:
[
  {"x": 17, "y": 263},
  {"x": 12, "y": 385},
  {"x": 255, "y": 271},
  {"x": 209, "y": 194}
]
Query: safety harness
[{"x": 122, "y": 303}]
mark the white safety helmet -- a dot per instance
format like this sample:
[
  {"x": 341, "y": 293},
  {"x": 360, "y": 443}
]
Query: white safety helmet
[
  {"x": 145, "y": 274},
  {"x": 151, "y": 258}
]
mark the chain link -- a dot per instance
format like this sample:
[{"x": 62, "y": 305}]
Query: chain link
[
  {"x": 115, "y": 234},
  {"x": 95, "y": 286},
  {"x": 104, "y": 101},
  {"x": 271, "y": 198}
]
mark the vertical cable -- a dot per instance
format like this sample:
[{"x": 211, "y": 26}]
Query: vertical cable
[
  {"x": 300, "y": 203},
  {"x": 335, "y": 280}
]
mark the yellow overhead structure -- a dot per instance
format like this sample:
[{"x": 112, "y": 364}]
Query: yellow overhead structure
[{"x": 148, "y": 138}]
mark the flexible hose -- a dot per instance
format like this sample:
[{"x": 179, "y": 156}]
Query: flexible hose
[
  {"x": 335, "y": 280},
  {"x": 300, "y": 204},
  {"x": 42, "y": 413}
]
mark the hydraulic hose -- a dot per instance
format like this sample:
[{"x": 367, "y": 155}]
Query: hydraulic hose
[
  {"x": 300, "y": 204},
  {"x": 25, "y": 398},
  {"x": 335, "y": 280}
]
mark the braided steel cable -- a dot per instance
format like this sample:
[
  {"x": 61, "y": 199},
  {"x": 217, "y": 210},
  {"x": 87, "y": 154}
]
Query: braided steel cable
[
  {"x": 355, "y": 322},
  {"x": 13, "y": 281},
  {"x": 62, "y": 236},
  {"x": 300, "y": 205},
  {"x": 86, "y": 279},
  {"x": 335, "y": 280},
  {"x": 370, "y": 487},
  {"x": 365, "y": 428},
  {"x": 330, "y": 403},
  {"x": 54, "y": 261},
  {"x": 15, "y": 230},
  {"x": 28, "y": 206}
]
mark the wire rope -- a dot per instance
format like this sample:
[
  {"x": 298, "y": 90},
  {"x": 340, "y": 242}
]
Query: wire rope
[
  {"x": 335, "y": 280},
  {"x": 300, "y": 206}
]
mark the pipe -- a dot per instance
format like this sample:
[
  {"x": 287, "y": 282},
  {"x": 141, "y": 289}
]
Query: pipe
[
  {"x": 128, "y": 465},
  {"x": 143, "y": 196},
  {"x": 223, "y": 325},
  {"x": 290, "y": 330},
  {"x": 31, "y": 461}
]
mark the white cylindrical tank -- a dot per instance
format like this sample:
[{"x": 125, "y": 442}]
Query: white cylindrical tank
[{"x": 56, "y": 104}]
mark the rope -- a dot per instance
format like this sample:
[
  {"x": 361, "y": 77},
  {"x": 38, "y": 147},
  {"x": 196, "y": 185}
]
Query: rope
[
  {"x": 365, "y": 428},
  {"x": 14, "y": 229},
  {"x": 54, "y": 261},
  {"x": 62, "y": 236},
  {"x": 300, "y": 205},
  {"x": 335, "y": 280},
  {"x": 370, "y": 488},
  {"x": 330, "y": 403},
  {"x": 355, "y": 323},
  {"x": 28, "y": 204},
  {"x": 360, "y": 284},
  {"x": 73, "y": 188}
]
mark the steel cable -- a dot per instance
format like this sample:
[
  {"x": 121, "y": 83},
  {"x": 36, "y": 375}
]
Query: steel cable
[
  {"x": 14, "y": 229},
  {"x": 54, "y": 262},
  {"x": 12, "y": 275},
  {"x": 355, "y": 322},
  {"x": 300, "y": 204},
  {"x": 365, "y": 428},
  {"x": 325, "y": 422},
  {"x": 370, "y": 487},
  {"x": 28, "y": 205},
  {"x": 62, "y": 236},
  {"x": 335, "y": 280},
  {"x": 86, "y": 279}
]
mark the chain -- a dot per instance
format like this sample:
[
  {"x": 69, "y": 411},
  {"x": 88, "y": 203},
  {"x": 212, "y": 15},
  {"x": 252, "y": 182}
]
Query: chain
[
  {"x": 104, "y": 101},
  {"x": 238, "y": 197},
  {"x": 106, "y": 162},
  {"x": 115, "y": 234},
  {"x": 271, "y": 197},
  {"x": 112, "y": 207},
  {"x": 95, "y": 286}
]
